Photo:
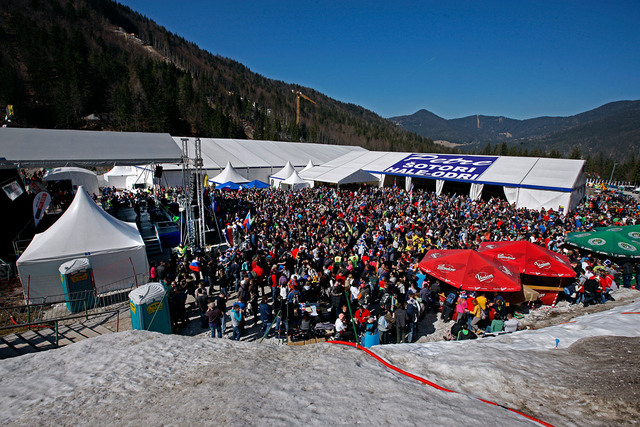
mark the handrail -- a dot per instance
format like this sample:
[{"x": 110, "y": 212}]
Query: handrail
[
  {"x": 56, "y": 321},
  {"x": 155, "y": 227},
  {"x": 42, "y": 304}
]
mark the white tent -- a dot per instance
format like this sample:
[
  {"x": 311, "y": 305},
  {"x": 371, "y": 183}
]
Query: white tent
[
  {"x": 294, "y": 182},
  {"x": 229, "y": 174},
  {"x": 77, "y": 176},
  {"x": 310, "y": 165},
  {"x": 254, "y": 159},
  {"x": 115, "y": 249},
  {"x": 277, "y": 178},
  {"x": 126, "y": 177},
  {"x": 528, "y": 182}
]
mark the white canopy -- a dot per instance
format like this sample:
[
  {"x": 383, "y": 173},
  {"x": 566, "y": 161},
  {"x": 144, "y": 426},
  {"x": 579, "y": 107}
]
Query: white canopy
[
  {"x": 115, "y": 249},
  {"x": 285, "y": 172},
  {"x": 126, "y": 177},
  {"x": 229, "y": 174},
  {"x": 277, "y": 178},
  {"x": 77, "y": 176},
  {"x": 294, "y": 182},
  {"x": 254, "y": 159},
  {"x": 529, "y": 182},
  {"x": 310, "y": 165}
]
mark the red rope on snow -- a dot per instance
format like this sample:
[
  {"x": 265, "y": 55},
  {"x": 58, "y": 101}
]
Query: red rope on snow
[{"x": 427, "y": 382}]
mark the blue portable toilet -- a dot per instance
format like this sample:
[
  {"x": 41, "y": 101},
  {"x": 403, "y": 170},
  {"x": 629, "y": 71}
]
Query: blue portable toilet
[
  {"x": 149, "y": 305},
  {"x": 77, "y": 282},
  {"x": 371, "y": 336}
]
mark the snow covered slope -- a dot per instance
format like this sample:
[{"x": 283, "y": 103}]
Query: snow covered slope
[{"x": 145, "y": 378}]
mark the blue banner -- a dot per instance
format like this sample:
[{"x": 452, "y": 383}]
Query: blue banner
[{"x": 442, "y": 166}]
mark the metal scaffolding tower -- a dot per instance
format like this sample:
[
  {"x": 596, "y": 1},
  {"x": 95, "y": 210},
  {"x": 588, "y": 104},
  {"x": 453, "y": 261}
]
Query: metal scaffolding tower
[{"x": 191, "y": 203}]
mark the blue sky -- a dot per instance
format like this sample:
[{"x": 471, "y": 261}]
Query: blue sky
[{"x": 519, "y": 58}]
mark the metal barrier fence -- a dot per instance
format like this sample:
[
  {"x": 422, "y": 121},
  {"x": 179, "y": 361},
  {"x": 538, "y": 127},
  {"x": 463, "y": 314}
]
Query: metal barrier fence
[
  {"x": 53, "y": 307},
  {"x": 55, "y": 323}
]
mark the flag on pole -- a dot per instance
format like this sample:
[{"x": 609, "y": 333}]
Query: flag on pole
[
  {"x": 194, "y": 265},
  {"x": 228, "y": 235},
  {"x": 246, "y": 224},
  {"x": 411, "y": 194}
]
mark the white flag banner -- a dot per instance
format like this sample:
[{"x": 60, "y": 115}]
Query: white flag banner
[{"x": 40, "y": 204}]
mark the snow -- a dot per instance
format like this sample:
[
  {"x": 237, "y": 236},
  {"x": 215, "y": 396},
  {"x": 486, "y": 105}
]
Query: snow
[{"x": 146, "y": 378}]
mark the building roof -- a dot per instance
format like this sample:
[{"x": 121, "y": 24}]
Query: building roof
[{"x": 53, "y": 148}]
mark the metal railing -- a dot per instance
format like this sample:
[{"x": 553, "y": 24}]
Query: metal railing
[
  {"x": 57, "y": 322},
  {"x": 38, "y": 312},
  {"x": 155, "y": 228}
]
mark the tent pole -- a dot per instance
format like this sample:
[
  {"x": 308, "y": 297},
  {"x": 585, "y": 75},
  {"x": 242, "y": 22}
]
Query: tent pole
[{"x": 134, "y": 272}]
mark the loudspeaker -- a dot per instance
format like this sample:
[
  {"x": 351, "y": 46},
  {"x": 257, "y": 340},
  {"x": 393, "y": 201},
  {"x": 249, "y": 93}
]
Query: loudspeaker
[{"x": 158, "y": 172}]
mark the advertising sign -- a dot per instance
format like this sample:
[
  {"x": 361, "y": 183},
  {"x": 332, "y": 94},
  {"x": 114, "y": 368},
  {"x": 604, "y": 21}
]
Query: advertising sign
[
  {"x": 40, "y": 204},
  {"x": 13, "y": 190},
  {"x": 442, "y": 166}
]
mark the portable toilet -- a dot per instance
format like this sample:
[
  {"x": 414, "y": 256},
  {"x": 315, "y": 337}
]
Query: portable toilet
[
  {"x": 77, "y": 282},
  {"x": 149, "y": 307}
]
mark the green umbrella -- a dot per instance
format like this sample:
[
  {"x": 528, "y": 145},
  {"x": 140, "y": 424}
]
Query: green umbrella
[
  {"x": 622, "y": 228},
  {"x": 613, "y": 241}
]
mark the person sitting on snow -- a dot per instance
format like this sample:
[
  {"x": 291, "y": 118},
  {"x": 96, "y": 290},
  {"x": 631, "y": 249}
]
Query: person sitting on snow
[
  {"x": 466, "y": 334},
  {"x": 512, "y": 324}
]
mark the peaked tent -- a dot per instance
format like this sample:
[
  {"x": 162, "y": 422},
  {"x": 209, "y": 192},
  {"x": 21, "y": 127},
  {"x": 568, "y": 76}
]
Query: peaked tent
[
  {"x": 310, "y": 165},
  {"x": 294, "y": 182},
  {"x": 469, "y": 270},
  {"x": 77, "y": 176},
  {"x": 284, "y": 173},
  {"x": 115, "y": 249},
  {"x": 229, "y": 174},
  {"x": 125, "y": 177},
  {"x": 529, "y": 258}
]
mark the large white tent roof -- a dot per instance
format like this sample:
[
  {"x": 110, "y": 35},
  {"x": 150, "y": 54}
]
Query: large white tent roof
[
  {"x": 51, "y": 148},
  {"x": 242, "y": 154},
  {"x": 523, "y": 172},
  {"x": 347, "y": 169}
]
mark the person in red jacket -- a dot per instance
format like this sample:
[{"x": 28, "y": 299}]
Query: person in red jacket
[{"x": 361, "y": 316}]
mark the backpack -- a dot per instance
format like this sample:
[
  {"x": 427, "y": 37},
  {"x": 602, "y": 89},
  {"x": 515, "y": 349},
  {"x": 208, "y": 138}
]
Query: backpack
[
  {"x": 411, "y": 313},
  {"x": 450, "y": 298}
]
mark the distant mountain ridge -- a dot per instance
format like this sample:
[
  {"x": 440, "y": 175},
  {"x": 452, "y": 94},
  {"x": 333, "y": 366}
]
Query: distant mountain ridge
[{"x": 613, "y": 129}]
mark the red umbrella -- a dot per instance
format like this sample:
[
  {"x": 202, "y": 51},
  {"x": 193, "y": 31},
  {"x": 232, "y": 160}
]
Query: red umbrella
[
  {"x": 469, "y": 270},
  {"x": 529, "y": 258}
]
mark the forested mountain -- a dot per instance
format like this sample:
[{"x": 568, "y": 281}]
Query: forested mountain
[
  {"x": 95, "y": 64},
  {"x": 612, "y": 129}
]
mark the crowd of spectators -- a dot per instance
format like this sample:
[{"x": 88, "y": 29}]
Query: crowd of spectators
[{"x": 345, "y": 260}]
